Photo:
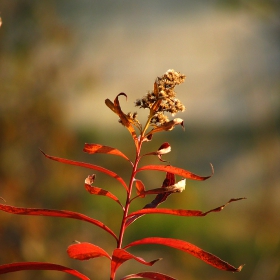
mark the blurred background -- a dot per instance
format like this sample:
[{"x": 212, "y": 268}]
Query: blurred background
[{"x": 59, "y": 61}]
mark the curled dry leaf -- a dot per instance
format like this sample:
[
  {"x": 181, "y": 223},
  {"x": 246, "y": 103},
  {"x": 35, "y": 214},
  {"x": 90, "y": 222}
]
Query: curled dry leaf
[
  {"x": 90, "y": 179},
  {"x": 188, "y": 248},
  {"x": 167, "y": 126},
  {"x": 163, "y": 149},
  {"x": 85, "y": 251},
  {"x": 97, "y": 148},
  {"x": 116, "y": 108},
  {"x": 13, "y": 267},
  {"x": 120, "y": 256},
  {"x": 148, "y": 275},
  {"x": 54, "y": 213}
]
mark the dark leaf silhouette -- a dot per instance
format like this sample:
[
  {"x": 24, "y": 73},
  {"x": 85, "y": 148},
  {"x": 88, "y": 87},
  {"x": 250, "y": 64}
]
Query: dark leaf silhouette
[
  {"x": 188, "y": 248},
  {"x": 13, "y": 267},
  {"x": 120, "y": 256},
  {"x": 85, "y": 251},
  {"x": 90, "y": 166},
  {"x": 161, "y": 197},
  {"x": 97, "y": 148},
  {"x": 148, "y": 275},
  {"x": 54, "y": 213},
  {"x": 176, "y": 171}
]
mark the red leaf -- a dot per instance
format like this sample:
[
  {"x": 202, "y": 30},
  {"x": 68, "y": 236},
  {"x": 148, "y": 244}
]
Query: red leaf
[
  {"x": 13, "y": 267},
  {"x": 120, "y": 256},
  {"x": 140, "y": 188},
  {"x": 180, "y": 212},
  {"x": 54, "y": 213},
  {"x": 99, "y": 191},
  {"x": 175, "y": 170},
  {"x": 148, "y": 275},
  {"x": 177, "y": 212},
  {"x": 85, "y": 251},
  {"x": 90, "y": 166},
  {"x": 188, "y": 248},
  {"x": 97, "y": 148}
]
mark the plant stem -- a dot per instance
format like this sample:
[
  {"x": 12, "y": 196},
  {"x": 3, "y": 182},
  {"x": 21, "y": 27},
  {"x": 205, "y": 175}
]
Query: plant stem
[
  {"x": 128, "y": 201},
  {"x": 146, "y": 127}
]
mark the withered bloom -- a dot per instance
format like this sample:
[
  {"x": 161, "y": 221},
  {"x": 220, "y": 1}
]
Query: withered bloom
[{"x": 163, "y": 98}]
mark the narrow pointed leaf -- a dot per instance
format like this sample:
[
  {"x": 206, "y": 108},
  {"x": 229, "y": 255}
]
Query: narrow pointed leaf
[
  {"x": 97, "y": 148},
  {"x": 175, "y": 170},
  {"x": 188, "y": 248},
  {"x": 13, "y": 267},
  {"x": 99, "y": 191},
  {"x": 90, "y": 166},
  {"x": 120, "y": 256},
  {"x": 148, "y": 275},
  {"x": 54, "y": 213},
  {"x": 177, "y": 212},
  {"x": 181, "y": 212},
  {"x": 85, "y": 251}
]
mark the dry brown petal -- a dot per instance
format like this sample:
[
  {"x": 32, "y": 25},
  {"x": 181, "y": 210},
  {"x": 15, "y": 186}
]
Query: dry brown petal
[{"x": 90, "y": 179}]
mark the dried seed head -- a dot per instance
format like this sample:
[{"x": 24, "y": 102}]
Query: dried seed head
[{"x": 163, "y": 91}]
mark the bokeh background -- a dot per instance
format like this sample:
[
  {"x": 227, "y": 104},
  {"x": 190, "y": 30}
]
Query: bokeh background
[{"x": 59, "y": 60}]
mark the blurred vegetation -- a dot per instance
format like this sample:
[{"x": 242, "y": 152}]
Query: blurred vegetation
[{"x": 37, "y": 70}]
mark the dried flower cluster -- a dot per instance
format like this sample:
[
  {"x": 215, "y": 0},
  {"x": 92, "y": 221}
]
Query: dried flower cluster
[{"x": 163, "y": 95}]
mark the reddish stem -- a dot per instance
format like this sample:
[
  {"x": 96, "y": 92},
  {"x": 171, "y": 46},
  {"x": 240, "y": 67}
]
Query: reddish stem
[{"x": 128, "y": 200}]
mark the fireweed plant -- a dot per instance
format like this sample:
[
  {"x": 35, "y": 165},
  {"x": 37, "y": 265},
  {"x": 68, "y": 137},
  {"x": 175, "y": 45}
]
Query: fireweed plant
[{"x": 161, "y": 100}]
